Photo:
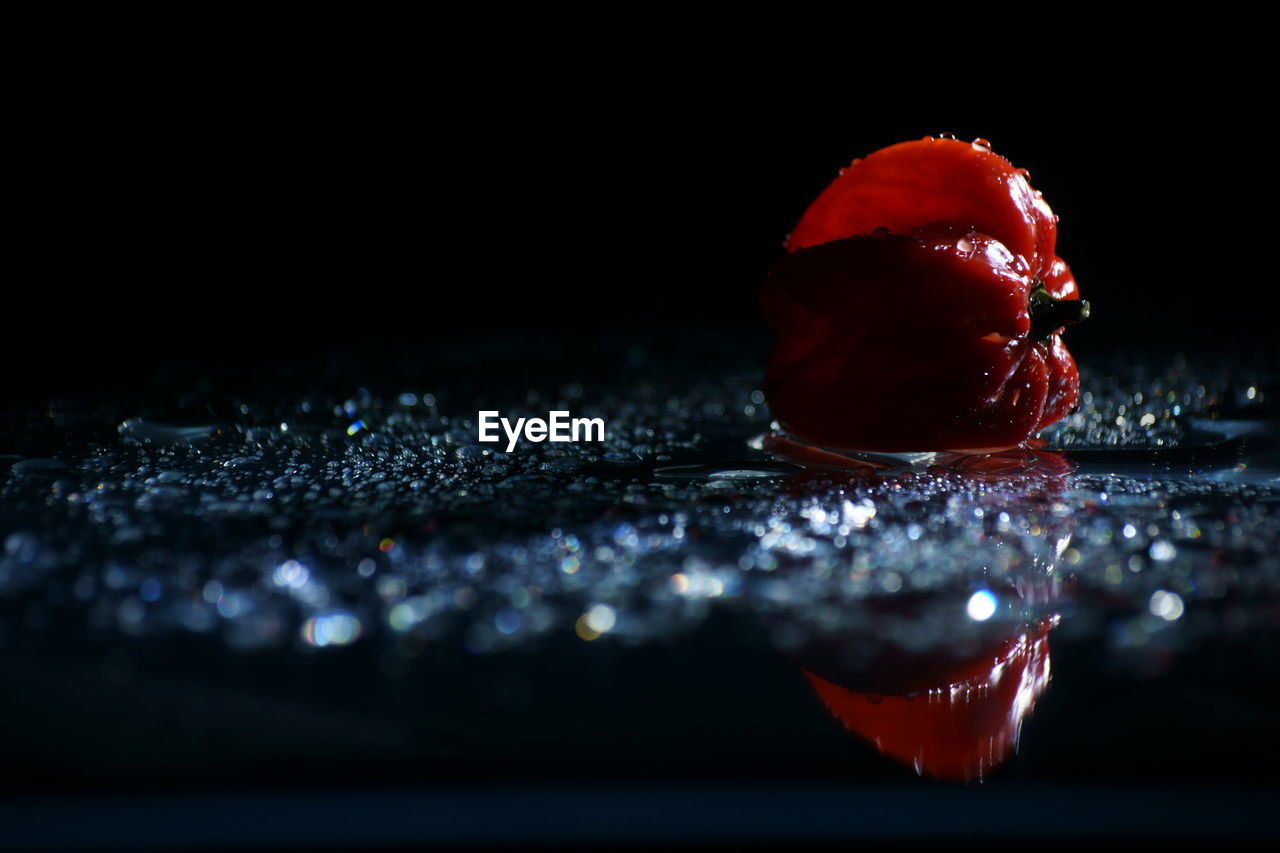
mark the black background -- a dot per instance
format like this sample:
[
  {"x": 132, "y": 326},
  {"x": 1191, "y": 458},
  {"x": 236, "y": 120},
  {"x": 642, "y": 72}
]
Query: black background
[{"x": 224, "y": 215}]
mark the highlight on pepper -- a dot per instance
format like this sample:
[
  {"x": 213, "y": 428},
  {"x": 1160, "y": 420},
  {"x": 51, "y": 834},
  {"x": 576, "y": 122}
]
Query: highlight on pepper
[{"x": 921, "y": 307}]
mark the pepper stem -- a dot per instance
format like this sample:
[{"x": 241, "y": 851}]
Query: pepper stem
[{"x": 1049, "y": 314}]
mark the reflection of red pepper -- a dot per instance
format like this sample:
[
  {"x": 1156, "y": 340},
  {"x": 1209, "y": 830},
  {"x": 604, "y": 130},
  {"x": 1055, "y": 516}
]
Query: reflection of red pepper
[
  {"x": 921, "y": 305},
  {"x": 960, "y": 725}
]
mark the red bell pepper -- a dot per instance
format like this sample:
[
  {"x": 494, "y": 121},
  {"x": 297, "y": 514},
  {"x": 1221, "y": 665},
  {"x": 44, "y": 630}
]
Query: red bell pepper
[{"x": 921, "y": 306}]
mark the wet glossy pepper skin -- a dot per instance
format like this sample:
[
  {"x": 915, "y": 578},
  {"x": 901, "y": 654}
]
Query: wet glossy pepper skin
[{"x": 920, "y": 307}]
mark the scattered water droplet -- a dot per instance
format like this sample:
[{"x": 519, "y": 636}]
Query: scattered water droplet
[{"x": 151, "y": 432}]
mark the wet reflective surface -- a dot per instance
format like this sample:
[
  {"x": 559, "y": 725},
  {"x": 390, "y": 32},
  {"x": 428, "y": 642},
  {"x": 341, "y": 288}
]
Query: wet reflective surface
[{"x": 330, "y": 582}]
